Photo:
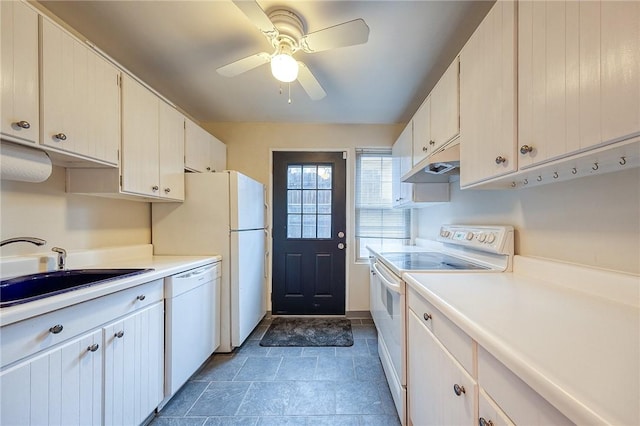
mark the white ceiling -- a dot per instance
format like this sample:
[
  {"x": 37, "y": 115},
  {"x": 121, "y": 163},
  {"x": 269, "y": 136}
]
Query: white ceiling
[{"x": 176, "y": 47}]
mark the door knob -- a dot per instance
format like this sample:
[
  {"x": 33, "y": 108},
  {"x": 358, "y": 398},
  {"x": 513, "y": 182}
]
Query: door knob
[
  {"x": 341, "y": 246},
  {"x": 340, "y": 234}
]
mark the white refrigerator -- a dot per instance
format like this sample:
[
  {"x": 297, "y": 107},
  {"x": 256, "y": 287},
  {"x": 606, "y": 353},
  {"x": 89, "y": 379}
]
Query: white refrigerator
[{"x": 223, "y": 213}]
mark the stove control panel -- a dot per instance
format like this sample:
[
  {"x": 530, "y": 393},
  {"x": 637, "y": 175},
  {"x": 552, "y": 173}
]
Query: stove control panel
[{"x": 494, "y": 239}]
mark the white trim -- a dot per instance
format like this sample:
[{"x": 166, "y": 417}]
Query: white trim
[{"x": 349, "y": 219}]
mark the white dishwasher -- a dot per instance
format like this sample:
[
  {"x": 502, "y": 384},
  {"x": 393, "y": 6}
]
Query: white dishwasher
[{"x": 192, "y": 323}]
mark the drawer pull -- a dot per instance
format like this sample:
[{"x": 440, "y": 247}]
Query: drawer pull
[
  {"x": 56, "y": 329},
  {"x": 459, "y": 390},
  {"x": 141, "y": 297},
  {"x": 119, "y": 334},
  {"x": 483, "y": 422},
  {"x": 60, "y": 136},
  {"x": 23, "y": 124},
  {"x": 426, "y": 316},
  {"x": 93, "y": 347}
]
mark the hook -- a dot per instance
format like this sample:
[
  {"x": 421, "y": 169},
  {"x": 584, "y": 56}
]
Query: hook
[
  {"x": 555, "y": 175},
  {"x": 539, "y": 179},
  {"x": 574, "y": 171},
  {"x": 622, "y": 161},
  {"x": 526, "y": 181},
  {"x": 595, "y": 166},
  {"x": 513, "y": 184}
]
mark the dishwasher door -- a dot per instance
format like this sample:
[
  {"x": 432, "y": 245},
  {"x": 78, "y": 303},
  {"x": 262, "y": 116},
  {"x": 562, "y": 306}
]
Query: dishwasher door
[{"x": 192, "y": 323}]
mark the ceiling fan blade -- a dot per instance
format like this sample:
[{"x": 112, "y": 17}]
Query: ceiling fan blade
[
  {"x": 254, "y": 12},
  {"x": 309, "y": 83},
  {"x": 341, "y": 35},
  {"x": 244, "y": 65}
]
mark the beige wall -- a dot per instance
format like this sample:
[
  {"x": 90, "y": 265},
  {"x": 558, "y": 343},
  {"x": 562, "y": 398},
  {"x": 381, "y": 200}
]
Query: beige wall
[
  {"x": 249, "y": 148},
  {"x": 591, "y": 221},
  {"x": 70, "y": 221}
]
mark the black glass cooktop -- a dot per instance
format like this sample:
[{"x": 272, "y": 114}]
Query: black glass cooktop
[{"x": 428, "y": 261}]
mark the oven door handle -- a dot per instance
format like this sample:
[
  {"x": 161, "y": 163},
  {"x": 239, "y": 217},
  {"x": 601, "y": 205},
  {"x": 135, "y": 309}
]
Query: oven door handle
[{"x": 395, "y": 287}]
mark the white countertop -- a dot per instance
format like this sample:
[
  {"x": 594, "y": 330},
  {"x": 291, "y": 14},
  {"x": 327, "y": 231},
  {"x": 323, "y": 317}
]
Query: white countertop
[
  {"x": 579, "y": 349},
  {"x": 130, "y": 257}
]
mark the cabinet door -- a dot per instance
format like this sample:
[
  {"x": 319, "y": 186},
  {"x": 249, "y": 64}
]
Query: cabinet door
[
  {"x": 218, "y": 155},
  {"x": 488, "y": 98},
  {"x": 422, "y": 142},
  {"x": 197, "y": 148},
  {"x": 432, "y": 374},
  {"x": 133, "y": 366},
  {"x": 171, "y": 152},
  {"x": 445, "y": 107},
  {"x": 578, "y": 76},
  {"x": 401, "y": 152},
  {"x": 20, "y": 118},
  {"x": 140, "y": 156},
  {"x": 60, "y": 386},
  {"x": 489, "y": 413}
]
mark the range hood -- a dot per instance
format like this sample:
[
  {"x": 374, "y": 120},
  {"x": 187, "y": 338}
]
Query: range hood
[{"x": 438, "y": 167}]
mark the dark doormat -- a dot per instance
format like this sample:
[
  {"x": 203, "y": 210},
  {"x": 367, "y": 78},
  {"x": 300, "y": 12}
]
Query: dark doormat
[{"x": 308, "y": 332}]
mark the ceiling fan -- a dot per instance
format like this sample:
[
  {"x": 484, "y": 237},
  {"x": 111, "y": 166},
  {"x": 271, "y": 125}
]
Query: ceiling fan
[{"x": 285, "y": 30}]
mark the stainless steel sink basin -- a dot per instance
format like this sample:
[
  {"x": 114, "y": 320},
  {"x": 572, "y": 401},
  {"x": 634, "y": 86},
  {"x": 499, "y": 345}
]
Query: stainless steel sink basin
[{"x": 27, "y": 288}]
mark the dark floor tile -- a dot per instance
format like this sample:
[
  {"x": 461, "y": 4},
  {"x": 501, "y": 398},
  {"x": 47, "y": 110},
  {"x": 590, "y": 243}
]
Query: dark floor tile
[
  {"x": 285, "y": 351},
  {"x": 252, "y": 348},
  {"x": 364, "y": 332},
  {"x": 312, "y": 398},
  {"x": 184, "y": 399},
  {"x": 220, "y": 399},
  {"x": 367, "y": 321},
  {"x": 359, "y": 348},
  {"x": 333, "y": 421},
  {"x": 388, "y": 403},
  {"x": 319, "y": 351},
  {"x": 282, "y": 421},
  {"x": 297, "y": 368},
  {"x": 358, "y": 398},
  {"x": 178, "y": 421},
  {"x": 258, "y": 332},
  {"x": 232, "y": 421},
  {"x": 258, "y": 368},
  {"x": 379, "y": 420},
  {"x": 368, "y": 368},
  {"x": 221, "y": 367},
  {"x": 266, "y": 399},
  {"x": 336, "y": 368},
  {"x": 373, "y": 346}
]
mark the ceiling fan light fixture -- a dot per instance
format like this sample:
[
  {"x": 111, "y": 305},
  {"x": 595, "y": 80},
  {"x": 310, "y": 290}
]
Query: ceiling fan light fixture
[{"x": 284, "y": 68}]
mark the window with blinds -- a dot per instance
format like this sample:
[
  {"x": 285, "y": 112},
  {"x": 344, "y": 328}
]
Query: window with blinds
[{"x": 377, "y": 223}]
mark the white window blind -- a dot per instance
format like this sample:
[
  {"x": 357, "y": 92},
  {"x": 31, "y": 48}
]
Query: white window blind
[{"x": 376, "y": 221}]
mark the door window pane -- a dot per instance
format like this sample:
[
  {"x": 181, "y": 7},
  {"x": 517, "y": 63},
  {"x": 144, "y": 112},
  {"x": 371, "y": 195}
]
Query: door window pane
[
  {"x": 324, "y": 202},
  {"x": 294, "y": 229},
  {"x": 309, "y": 201},
  {"x": 309, "y": 226},
  {"x": 324, "y": 226},
  {"x": 324, "y": 177},
  {"x": 294, "y": 201},
  {"x": 294, "y": 177},
  {"x": 309, "y": 175}
]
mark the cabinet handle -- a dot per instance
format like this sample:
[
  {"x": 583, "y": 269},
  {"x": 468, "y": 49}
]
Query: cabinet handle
[
  {"x": 141, "y": 297},
  {"x": 23, "y": 124},
  {"x": 432, "y": 142},
  {"x": 500, "y": 159},
  {"x": 119, "y": 334},
  {"x": 60, "y": 136},
  {"x": 56, "y": 329},
  {"x": 459, "y": 390},
  {"x": 483, "y": 422},
  {"x": 167, "y": 190},
  {"x": 525, "y": 149},
  {"x": 426, "y": 316},
  {"x": 155, "y": 187},
  {"x": 425, "y": 149},
  {"x": 93, "y": 347}
]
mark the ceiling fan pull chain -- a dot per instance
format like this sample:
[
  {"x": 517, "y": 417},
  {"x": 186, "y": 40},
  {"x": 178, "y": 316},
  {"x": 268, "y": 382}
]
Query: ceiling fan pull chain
[
  {"x": 281, "y": 88},
  {"x": 289, "y": 92}
]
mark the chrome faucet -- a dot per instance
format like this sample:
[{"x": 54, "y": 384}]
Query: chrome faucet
[
  {"x": 32, "y": 240},
  {"x": 62, "y": 257}
]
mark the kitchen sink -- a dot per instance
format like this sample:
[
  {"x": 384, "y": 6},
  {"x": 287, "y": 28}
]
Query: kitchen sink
[{"x": 27, "y": 288}]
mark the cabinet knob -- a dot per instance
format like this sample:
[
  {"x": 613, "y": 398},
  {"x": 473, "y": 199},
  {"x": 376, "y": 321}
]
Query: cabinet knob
[
  {"x": 426, "y": 316},
  {"x": 459, "y": 390},
  {"x": 141, "y": 297},
  {"x": 432, "y": 143},
  {"x": 60, "y": 136},
  {"x": 425, "y": 149},
  {"x": 119, "y": 334},
  {"x": 483, "y": 422},
  {"x": 56, "y": 329},
  {"x": 167, "y": 190},
  {"x": 155, "y": 187},
  {"x": 93, "y": 347},
  {"x": 500, "y": 159},
  {"x": 23, "y": 124},
  {"x": 525, "y": 149}
]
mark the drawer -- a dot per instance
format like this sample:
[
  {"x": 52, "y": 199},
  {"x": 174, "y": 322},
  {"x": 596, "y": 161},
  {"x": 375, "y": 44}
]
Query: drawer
[
  {"x": 489, "y": 411},
  {"x": 457, "y": 342},
  {"x": 25, "y": 338},
  {"x": 519, "y": 402}
]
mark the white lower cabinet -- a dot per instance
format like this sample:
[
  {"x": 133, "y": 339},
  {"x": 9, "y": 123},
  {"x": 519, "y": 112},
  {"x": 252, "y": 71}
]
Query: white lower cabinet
[
  {"x": 133, "y": 366},
  {"x": 440, "y": 391},
  {"x": 60, "y": 386}
]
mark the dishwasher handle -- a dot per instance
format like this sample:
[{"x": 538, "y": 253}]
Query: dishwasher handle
[
  {"x": 395, "y": 287},
  {"x": 193, "y": 273}
]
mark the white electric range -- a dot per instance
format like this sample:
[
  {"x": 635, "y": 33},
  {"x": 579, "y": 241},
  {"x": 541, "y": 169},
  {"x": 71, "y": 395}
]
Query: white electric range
[{"x": 458, "y": 249}]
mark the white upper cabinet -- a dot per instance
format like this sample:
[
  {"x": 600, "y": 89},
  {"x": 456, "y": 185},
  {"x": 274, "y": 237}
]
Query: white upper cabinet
[
  {"x": 488, "y": 97},
  {"x": 218, "y": 155},
  {"x": 171, "y": 152},
  {"x": 578, "y": 76},
  {"x": 401, "y": 152},
  {"x": 80, "y": 98},
  {"x": 19, "y": 50},
  {"x": 203, "y": 151},
  {"x": 437, "y": 121}
]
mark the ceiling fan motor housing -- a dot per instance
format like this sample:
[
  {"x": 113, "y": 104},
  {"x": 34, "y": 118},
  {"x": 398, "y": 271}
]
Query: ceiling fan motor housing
[{"x": 290, "y": 28}]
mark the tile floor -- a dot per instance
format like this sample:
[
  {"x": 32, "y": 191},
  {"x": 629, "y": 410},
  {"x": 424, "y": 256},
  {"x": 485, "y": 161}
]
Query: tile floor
[{"x": 287, "y": 386}]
